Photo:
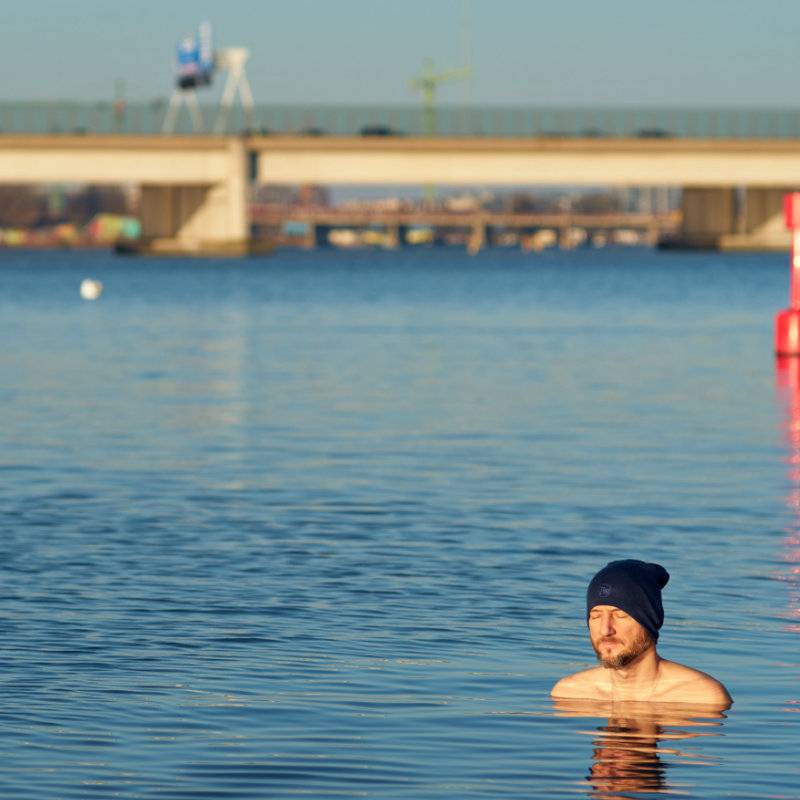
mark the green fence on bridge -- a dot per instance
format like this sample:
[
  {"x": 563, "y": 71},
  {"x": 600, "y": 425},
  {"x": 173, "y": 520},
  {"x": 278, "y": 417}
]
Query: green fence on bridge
[{"x": 148, "y": 118}]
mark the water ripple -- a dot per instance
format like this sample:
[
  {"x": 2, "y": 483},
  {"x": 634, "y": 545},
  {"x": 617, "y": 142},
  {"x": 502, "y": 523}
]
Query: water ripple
[{"x": 321, "y": 525}]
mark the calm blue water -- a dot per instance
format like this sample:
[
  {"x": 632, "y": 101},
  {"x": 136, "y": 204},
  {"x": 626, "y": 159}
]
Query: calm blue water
[{"x": 320, "y": 525}]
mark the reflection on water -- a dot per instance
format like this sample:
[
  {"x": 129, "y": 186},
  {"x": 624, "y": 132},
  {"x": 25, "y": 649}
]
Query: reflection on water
[
  {"x": 637, "y": 742},
  {"x": 787, "y": 372}
]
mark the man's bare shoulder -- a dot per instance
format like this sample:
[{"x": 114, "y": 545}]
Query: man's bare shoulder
[
  {"x": 688, "y": 685},
  {"x": 580, "y": 685}
]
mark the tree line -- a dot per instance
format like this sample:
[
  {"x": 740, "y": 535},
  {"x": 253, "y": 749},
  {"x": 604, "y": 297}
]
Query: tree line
[{"x": 32, "y": 207}]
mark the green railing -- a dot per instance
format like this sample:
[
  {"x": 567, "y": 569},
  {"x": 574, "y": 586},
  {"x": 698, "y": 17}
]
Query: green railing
[{"x": 148, "y": 118}]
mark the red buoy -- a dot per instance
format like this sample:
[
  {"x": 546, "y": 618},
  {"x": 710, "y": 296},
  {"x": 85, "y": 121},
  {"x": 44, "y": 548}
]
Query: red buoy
[{"x": 787, "y": 322}]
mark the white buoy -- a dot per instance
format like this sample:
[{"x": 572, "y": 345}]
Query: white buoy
[{"x": 91, "y": 289}]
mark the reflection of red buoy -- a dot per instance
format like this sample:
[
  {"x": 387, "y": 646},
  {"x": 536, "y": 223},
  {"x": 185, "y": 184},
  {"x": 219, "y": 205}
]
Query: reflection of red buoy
[
  {"x": 787, "y": 322},
  {"x": 787, "y": 373}
]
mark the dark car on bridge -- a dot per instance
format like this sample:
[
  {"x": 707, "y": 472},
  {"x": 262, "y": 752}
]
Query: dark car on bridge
[
  {"x": 654, "y": 133},
  {"x": 379, "y": 130}
]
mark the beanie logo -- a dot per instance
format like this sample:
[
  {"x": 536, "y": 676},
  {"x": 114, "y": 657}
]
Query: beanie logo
[{"x": 604, "y": 590}]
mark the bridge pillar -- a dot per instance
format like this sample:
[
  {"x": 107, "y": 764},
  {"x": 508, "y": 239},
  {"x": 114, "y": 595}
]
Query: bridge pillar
[
  {"x": 205, "y": 218},
  {"x": 478, "y": 236},
  {"x": 724, "y": 219},
  {"x": 760, "y": 224},
  {"x": 395, "y": 235},
  {"x": 312, "y": 238},
  {"x": 708, "y": 215}
]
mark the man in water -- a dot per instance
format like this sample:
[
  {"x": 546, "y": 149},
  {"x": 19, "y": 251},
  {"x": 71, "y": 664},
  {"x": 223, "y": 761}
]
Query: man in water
[{"x": 624, "y": 614}]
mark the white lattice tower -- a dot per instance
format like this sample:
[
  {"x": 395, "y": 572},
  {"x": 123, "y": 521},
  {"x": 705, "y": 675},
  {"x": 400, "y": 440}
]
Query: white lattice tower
[
  {"x": 181, "y": 97},
  {"x": 233, "y": 59}
]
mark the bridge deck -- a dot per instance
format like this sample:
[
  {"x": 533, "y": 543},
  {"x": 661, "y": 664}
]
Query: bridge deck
[{"x": 457, "y": 161}]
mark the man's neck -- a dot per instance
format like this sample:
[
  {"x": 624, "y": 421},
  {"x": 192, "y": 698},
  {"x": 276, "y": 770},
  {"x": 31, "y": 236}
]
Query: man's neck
[{"x": 638, "y": 677}]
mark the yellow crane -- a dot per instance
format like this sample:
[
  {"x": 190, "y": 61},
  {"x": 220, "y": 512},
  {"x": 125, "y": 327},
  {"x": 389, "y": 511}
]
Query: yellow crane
[{"x": 426, "y": 83}]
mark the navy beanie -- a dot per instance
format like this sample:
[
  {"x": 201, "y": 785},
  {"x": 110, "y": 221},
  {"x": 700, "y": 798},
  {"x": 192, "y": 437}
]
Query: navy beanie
[{"x": 635, "y": 588}]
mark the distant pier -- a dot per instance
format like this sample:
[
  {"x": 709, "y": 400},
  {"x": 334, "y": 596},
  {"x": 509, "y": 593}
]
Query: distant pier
[{"x": 477, "y": 229}]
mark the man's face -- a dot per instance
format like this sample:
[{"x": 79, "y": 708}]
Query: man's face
[{"x": 617, "y": 638}]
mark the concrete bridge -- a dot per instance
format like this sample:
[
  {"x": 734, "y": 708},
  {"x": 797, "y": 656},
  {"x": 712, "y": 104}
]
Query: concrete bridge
[
  {"x": 194, "y": 196},
  {"x": 194, "y": 188}
]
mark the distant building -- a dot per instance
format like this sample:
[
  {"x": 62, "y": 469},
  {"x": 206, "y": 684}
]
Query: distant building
[{"x": 313, "y": 195}]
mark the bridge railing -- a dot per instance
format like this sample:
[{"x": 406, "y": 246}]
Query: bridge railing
[{"x": 59, "y": 117}]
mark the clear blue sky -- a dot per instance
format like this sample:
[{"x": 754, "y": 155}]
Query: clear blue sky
[{"x": 612, "y": 52}]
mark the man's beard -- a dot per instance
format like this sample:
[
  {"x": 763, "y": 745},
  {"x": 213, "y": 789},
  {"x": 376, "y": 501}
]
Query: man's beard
[{"x": 642, "y": 642}]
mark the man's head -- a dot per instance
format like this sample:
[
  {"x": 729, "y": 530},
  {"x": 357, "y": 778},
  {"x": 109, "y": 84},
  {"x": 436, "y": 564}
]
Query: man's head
[
  {"x": 624, "y": 610},
  {"x": 617, "y": 638}
]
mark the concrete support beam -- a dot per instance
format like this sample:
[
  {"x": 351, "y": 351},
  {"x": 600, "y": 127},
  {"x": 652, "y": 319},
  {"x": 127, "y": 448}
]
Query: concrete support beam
[
  {"x": 761, "y": 206},
  {"x": 167, "y": 212},
  {"x": 211, "y": 219},
  {"x": 727, "y": 219},
  {"x": 708, "y": 215},
  {"x": 760, "y": 223},
  {"x": 750, "y": 219}
]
